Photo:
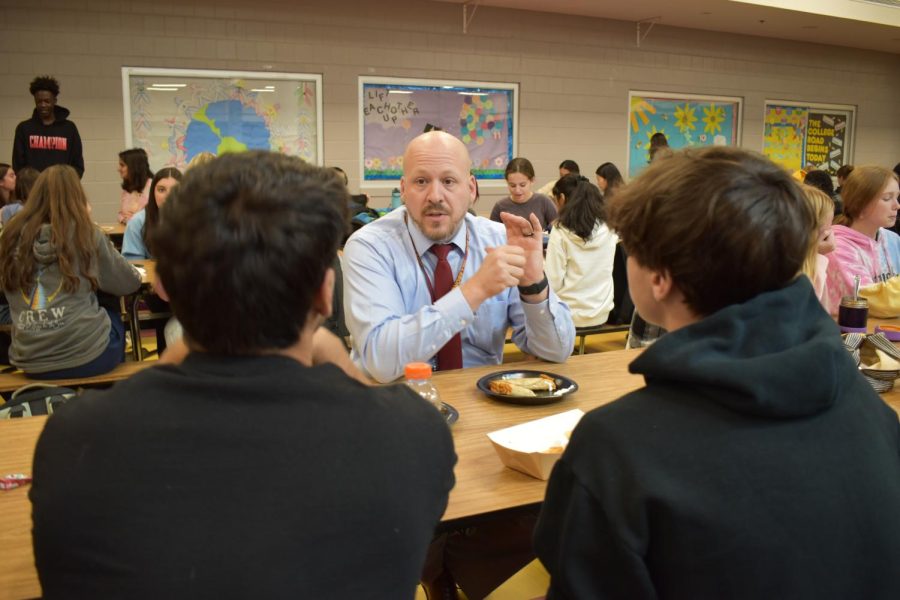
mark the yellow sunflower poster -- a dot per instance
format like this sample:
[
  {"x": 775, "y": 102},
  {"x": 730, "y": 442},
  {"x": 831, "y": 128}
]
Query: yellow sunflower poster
[{"x": 685, "y": 120}]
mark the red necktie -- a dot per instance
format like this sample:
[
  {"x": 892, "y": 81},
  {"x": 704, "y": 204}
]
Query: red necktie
[{"x": 450, "y": 356}]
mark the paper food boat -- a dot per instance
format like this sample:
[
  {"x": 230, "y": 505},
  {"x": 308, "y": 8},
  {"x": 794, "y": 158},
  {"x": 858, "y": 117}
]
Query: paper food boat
[{"x": 534, "y": 447}]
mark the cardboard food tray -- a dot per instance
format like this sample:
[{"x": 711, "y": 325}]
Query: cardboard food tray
[{"x": 528, "y": 447}]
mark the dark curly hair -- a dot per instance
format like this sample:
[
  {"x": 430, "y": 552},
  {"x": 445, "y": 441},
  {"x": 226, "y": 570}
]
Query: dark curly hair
[
  {"x": 44, "y": 83},
  {"x": 258, "y": 228}
]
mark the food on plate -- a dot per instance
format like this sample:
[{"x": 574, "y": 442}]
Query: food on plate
[
  {"x": 523, "y": 386},
  {"x": 543, "y": 383},
  {"x": 507, "y": 388}
]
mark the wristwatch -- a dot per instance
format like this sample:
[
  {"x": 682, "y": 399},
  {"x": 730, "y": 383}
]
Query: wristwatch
[{"x": 534, "y": 288}]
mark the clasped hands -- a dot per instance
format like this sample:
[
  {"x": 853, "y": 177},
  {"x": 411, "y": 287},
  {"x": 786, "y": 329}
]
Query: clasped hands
[{"x": 519, "y": 262}]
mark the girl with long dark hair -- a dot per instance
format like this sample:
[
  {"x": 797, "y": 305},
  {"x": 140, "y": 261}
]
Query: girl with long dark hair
[{"x": 580, "y": 255}]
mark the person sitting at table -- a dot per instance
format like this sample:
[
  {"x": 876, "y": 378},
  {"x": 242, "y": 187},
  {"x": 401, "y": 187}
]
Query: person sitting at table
[
  {"x": 816, "y": 264},
  {"x": 138, "y": 233},
  {"x": 249, "y": 470},
  {"x": 134, "y": 169},
  {"x": 566, "y": 167},
  {"x": 522, "y": 201},
  {"x": 7, "y": 184},
  {"x": 609, "y": 179},
  {"x": 53, "y": 262},
  {"x": 864, "y": 244},
  {"x": 24, "y": 182},
  {"x": 140, "y": 228},
  {"x": 756, "y": 461},
  {"x": 821, "y": 180},
  {"x": 405, "y": 304},
  {"x": 580, "y": 254},
  {"x": 430, "y": 282}
]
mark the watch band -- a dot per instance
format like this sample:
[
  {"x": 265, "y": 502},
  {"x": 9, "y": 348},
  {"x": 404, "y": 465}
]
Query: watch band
[{"x": 534, "y": 288}]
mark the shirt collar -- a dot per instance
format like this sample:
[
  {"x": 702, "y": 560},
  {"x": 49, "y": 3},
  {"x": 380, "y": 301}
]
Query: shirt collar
[{"x": 423, "y": 244}]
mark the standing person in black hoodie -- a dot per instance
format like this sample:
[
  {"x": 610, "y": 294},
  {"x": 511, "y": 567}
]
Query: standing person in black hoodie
[
  {"x": 48, "y": 137},
  {"x": 756, "y": 462}
]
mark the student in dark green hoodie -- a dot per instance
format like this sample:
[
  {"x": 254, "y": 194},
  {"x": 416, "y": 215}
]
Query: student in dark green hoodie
[{"x": 756, "y": 462}]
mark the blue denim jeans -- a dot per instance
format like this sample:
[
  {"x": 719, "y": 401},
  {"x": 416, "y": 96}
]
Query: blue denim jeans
[{"x": 106, "y": 362}]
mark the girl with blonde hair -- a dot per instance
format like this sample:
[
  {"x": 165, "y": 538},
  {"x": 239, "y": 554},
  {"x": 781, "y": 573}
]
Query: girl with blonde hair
[{"x": 822, "y": 243}]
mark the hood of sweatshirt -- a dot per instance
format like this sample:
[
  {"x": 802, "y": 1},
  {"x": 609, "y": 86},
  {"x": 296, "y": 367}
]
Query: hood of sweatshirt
[
  {"x": 59, "y": 114},
  {"x": 776, "y": 355},
  {"x": 44, "y": 249},
  {"x": 599, "y": 236}
]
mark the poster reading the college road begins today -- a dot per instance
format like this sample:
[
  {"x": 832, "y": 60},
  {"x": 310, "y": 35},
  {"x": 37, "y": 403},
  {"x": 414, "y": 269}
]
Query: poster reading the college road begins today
[{"x": 798, "y": 136}]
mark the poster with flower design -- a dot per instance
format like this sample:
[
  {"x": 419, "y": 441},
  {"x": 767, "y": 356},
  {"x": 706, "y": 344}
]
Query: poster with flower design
[
  {"x": 394, "y": 111},
  {"x": 685, "y": 120}
]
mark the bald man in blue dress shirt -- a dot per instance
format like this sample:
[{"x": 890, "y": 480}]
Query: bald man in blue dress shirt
[{"x": 498, "y": 270}]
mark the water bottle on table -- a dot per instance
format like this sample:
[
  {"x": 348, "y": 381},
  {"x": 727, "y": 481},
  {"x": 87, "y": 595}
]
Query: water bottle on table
[{"x": 418, "y": 378}]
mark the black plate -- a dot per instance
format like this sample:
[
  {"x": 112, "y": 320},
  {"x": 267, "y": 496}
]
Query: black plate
[
  {"x": 451, "y": 415},
  {"x": 564, "y": 387}
]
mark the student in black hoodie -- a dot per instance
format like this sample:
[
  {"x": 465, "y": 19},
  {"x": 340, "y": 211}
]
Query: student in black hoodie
[
  {"x": 756, "y": 462},
  {"x": 48, "y": 137}
]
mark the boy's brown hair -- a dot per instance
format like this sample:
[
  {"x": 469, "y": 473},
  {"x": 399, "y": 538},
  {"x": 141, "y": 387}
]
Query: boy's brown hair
[{"x": 725, "y": 223}]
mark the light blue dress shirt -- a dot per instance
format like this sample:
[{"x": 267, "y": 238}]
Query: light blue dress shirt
[
  {"x": 393, "y": 321},
  {"x": 133, "y": 241}
]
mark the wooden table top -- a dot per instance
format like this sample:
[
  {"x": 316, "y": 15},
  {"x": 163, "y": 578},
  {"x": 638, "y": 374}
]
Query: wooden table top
[
  {"x": 149, "y": 267},
  {"x": 113, "y": 229},
  {"x": 483, "y": 484},
  {"x": 18, "y": 577}
]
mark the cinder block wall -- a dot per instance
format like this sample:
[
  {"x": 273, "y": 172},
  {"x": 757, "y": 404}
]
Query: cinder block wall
[{"x": 574, "y": 72}]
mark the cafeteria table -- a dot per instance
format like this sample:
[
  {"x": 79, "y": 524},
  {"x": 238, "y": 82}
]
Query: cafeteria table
[{"x": 483, "y": 485}]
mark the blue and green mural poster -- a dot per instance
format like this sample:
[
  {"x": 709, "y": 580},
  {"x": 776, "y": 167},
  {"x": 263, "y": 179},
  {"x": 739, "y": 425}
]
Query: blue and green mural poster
[
  {"x": 394, "y": 111},
  {"x": 685, "y": 120},
  {"x": 177, "y": 114}
]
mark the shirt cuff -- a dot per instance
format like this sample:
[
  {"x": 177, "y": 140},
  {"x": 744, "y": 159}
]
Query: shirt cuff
[{"x": 456, "y": 314}]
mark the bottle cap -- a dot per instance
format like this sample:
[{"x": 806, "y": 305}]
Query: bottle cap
[{"x": 417, "y": 370}]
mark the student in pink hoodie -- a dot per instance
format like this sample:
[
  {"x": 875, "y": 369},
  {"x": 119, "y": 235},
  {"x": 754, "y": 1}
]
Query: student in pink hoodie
[{"x": 864, "y": 245}]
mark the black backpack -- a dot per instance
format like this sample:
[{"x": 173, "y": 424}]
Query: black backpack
[{"x": 36, "y": 399}]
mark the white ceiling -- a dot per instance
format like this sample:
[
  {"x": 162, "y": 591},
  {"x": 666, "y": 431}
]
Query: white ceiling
[{"x": 872, "y": 25}]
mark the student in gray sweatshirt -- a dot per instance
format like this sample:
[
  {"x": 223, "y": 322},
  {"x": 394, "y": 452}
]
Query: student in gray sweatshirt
[{"x": 53, "y": 262}]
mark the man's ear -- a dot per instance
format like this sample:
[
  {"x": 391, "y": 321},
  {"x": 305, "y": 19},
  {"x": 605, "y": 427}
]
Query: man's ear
[
  {"x": 323, "y": 301},
  {"x": 661, "y": 285}
]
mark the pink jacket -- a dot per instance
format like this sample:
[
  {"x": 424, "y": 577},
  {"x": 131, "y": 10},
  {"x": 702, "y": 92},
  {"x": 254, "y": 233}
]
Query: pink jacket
[
  {"x": 132, "y": 202},
  {"x": 856, "y": 254}
]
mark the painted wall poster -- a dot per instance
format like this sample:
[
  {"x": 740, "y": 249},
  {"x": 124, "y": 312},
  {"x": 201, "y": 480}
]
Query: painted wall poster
[
  {"x": 802, "y": 135},
  {"x": 394, "y": 111},
  {"x": 685, "y": 119},
  {"x": 174, "y": 114}
]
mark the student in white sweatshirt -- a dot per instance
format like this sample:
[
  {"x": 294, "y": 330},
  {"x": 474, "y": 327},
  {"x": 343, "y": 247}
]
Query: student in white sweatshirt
[{"x": 580, "y": 253}]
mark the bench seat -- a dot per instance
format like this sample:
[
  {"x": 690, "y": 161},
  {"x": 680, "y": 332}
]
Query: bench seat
[{"x": 10, "y": 382}]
